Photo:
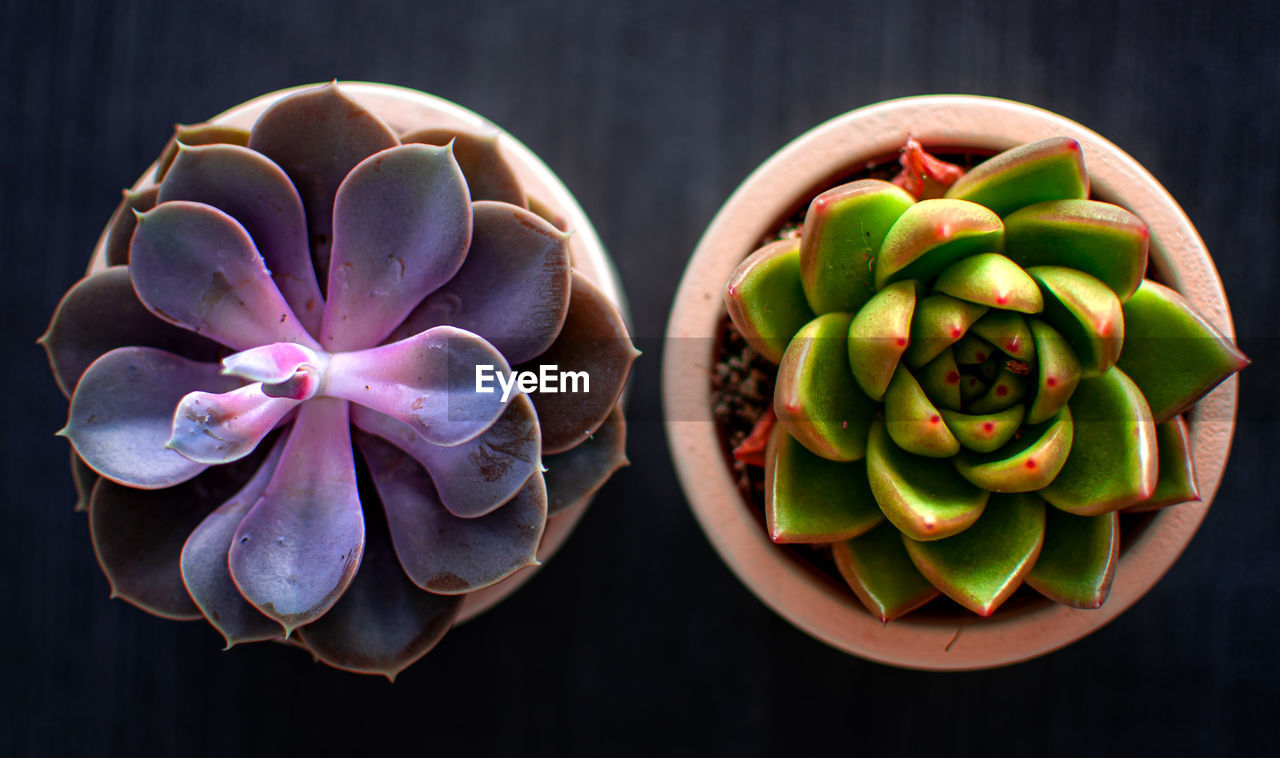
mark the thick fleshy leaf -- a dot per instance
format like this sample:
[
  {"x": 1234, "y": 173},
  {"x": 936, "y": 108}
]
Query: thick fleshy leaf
[
  {"x": 1097, "y": 238},
  {"x": 1177, "y": 478},
  {"x": 816, "y": 398},
  {"x": 318, "y": 136},
  {"x": 401, "y": 227},
  {"x": 1057, "y": 372},
  {"x": 1113, "y": 461},
  {"x": 1172, "y": 352},
  {"x": 84, "y": 479},
  {"x": 933, "y": 234},
  {"x": 576, "y": 474},
  {"x": 430, "y": 381},
  {"x": 383, "y": 622},
  {"x": 982, "y": 567},
  {"x": 219, "y": 428},
  {"x": 296, "y": 551},
  {"x": 477, "y": 476},
  {"x": 940, "y": 378},
  {"x": 1084, "y": 311},
  {"x": 1026, "y": 464},
  {"x": 122, "y": 414},
  {"x": 972, "y": 350},
  {"x": 878, "y": 337},
  {"x": 102, "y": 312},
  {"x": 985, "y": 433},
  {"x": 1006, "y": 389},
  {"x": 513, "y": 289},
  {"x": 1051, "y": 169},
  {"x": 195, "y": 266},
  {"x": 440, "y": 552},
  {"x": 593, "y": 341},
  {"x": 480, "y": 158},
  {"x": 765, "y": 300},
  {"x": 204, "y": 564},
  {"x": 1008, "y": 332},
  {"x": 881, "y": 574},
  {"x": 913, "y": 421},
  {"x": 972, "y": 388},
  {"x": 271, "y": 364},
  {"x": 247, "y": 186},
  {"x": 811, "y": 499},
  {"x": 192, "y": 135},
  {"x": 939, "y": 322},
  {"x": 993, "y": 280},
  {"x": 843, "y": 231},
  {"x": 125, "y": 220},
  {"x": 1078, "y": 560},
  {"x": 924, "y": 497}
]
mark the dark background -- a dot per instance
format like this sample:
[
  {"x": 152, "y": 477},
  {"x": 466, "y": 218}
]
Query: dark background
[{"x": 636, "y": 638}]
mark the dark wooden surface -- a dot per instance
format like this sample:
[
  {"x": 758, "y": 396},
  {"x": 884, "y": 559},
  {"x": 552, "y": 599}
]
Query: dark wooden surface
[{"x": 636, "y": 638}]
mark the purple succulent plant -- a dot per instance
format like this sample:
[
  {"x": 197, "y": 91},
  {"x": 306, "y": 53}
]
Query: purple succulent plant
[{"x": 276, "y": 288}]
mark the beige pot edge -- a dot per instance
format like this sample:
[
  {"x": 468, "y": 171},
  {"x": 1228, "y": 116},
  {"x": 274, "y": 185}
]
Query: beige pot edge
[
  {"x": 404, "y": 108},
  {"x": 770, "y": 194}
]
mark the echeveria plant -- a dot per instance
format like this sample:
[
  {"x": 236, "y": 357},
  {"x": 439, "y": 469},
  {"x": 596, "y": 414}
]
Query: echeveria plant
[
  {"x": 972, "y": 387},
  {"x": 281, "y": 298}
]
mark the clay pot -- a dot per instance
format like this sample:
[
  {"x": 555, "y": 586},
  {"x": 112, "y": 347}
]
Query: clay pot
[
  {"x": 808, "y": 598},
  {"x": 405, "y": 109}
]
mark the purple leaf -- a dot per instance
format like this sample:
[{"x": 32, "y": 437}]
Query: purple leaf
[
  {"x": 272, "y": 363},
  {"x": 204, "y": 564},
  {"x": 383, "y": 622},
  {"x": 195, "y": 266},
  {"x": 190, "y": 135},
  {"x": 401, "y": 226},
  {"x": 480, "y": 158},
  {"x": 443, "y": 553},
  {"x": 220, "y": 428},
  {"x": 513, "y": 289},
  {"x": 102, "y": 312},
  {"x": 296, "y": 551},
  {"x": 576, "y": 474},
  {"x": 594, "y": 340},
  {"x": 427, "y": 381},
  {"x": 120, "y": 227},
  {"x": 317, "y": 136},
  {"x": 247, "y": 186},
  {"x": 84, "y": 478},
  {"x": 478, "y": 476},
  {"x": 122, "y": 414}
]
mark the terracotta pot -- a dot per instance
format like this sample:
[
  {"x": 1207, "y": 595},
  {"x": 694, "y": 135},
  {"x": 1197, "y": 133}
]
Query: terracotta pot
[
  {"x": 785, "y": 183},
  {"x": 404, "y": 109}
]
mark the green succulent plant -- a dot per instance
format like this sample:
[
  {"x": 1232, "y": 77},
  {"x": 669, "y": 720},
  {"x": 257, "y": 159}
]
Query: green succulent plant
[{"x": 972, "y": 387}]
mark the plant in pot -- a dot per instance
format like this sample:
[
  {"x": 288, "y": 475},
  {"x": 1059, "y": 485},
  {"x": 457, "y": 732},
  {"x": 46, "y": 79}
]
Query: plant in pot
[
  {"x": 975, "y": 375},
  {"x": 298, "y": 373}
]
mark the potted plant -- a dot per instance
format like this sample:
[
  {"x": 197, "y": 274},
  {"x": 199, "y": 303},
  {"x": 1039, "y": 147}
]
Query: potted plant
[
  {"x": 959, "y": 409},
  {"x": 298, "y": 373}
]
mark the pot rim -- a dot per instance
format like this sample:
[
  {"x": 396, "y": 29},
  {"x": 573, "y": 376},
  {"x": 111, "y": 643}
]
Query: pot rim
[
  {"x": 404, "y": 108},
  {"x": 772, "y": 193}
]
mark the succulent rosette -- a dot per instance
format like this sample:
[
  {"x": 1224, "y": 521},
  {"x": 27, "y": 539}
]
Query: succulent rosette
[
  {"x": 973, "y": 386},
  {"x": 276, "y": 300}
]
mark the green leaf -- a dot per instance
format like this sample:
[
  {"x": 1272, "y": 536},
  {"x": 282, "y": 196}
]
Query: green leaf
[
  {"x": 913, "y": 421},
  {"x": 811, "y": 499},
  {"x": 1026, "y": 464},
  {"x": 843, "y": 230},
  {"x": 984, "y": 565},
  {"x": 925, "y": 498},
  {"x": 972, "y": 350},
  {"x": 1172, "y": 352},
  {"x": 940, "y": 380},
  {"x": 939, "y": 321},
  {"x": 1057, "y": 372},
  {"x": 878, "y": 337},
  {"x": 993, "y": 280},
  {"x": 933, "y": 234},
  {"x": 1177, "y": 480},
  {"x": 1084, "y": 311},
  {"x": 1113, "y": 461},
  {"x": 985, "y": 433},
  {"x": 816, "y": 398},
  {"x": 1007, "y": 390},
  {"x": 880, "y": 573},
  {"x": 1078, "y": 560},
  {"x": 1008, "y": 332},
  {"x": 1097, "y": 238},
  {"x": 765, "y": 300},
  {"x": 1051, "y": 169}
]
